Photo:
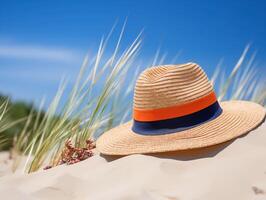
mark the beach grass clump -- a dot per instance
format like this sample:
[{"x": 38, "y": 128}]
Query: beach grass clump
[{"x": 90, "y": 108}]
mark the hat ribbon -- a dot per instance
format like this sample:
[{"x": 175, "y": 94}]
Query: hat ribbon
[{"x": 176, "y": 118}]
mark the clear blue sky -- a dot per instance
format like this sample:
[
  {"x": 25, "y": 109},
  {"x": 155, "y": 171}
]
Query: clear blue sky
[{"x": 41, "y": 40}]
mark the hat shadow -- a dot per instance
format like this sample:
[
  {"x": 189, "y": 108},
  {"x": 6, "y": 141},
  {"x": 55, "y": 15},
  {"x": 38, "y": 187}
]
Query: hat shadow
[
  {"x": 193, "y": 154},
  {"x": 184, "y": 155}
]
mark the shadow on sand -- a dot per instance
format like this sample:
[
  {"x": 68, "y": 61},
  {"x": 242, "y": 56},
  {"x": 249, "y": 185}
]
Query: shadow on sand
[{"x": 191, "y": 154}]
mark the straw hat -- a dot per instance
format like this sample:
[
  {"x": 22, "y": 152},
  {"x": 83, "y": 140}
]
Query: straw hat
[{"x": 175, "y": 108}]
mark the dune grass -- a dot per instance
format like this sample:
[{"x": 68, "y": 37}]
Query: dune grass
[
  {"x": 243, "y": 83},
  {"x": 87, "y": 111},
  {"x": 93, "y": 107}
]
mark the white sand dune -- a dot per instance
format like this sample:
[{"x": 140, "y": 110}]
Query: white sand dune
[{"x": 234, "y": 170}]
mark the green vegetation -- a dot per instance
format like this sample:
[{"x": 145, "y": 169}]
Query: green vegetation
[
  {"x": 82, "y": 115},
  {"x": 12, "y": 121}
]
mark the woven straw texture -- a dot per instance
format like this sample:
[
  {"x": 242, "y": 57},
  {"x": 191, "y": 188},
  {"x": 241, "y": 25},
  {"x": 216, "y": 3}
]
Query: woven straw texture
[
  {"x": 169, "y": 85},
  {"x": 164, "y": 86}
]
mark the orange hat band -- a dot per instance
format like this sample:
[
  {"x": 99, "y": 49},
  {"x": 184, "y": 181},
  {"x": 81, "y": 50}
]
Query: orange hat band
[{"x": 174, "y": 111}]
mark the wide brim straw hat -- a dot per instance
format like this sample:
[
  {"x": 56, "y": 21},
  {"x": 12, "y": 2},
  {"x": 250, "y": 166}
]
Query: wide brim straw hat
[{"x": 175, "y": 108}]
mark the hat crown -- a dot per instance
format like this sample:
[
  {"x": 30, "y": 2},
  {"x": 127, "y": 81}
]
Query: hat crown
[{"x": 170, "y": 85}]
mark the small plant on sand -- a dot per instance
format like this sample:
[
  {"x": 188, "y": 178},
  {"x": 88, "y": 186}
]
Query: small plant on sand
[{"x": 71, "y": 154}]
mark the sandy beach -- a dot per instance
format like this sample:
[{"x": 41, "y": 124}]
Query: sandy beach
[{"x": 234, "y": 170}]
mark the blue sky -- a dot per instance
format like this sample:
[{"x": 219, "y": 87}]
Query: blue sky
[{"x": 40, "y": 41}]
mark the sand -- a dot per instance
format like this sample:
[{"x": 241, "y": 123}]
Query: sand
[{"x": 234, "y": 170}]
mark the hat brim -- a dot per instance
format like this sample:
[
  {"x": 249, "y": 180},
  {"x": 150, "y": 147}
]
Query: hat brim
[{"x": 237, "y": 118}]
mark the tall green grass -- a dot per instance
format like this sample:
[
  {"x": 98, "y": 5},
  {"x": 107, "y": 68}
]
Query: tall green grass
[{"x": 90, "y": 108}]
